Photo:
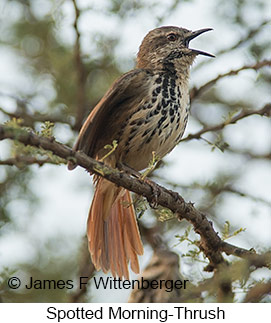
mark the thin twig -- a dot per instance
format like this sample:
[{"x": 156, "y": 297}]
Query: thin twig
[
  {"x": 248, "y": 37},
  {"x": 249, "y": 154},
  {"x": 20, "y": 161},
  {"x": 250, "y": 34},
  {"x": 195, "y": 92},
  {"x": 80, "y": 70},
  {"x": 30, "y": 119},
  {"x": 265, "y": 111},
  {"x": 247, "y": 195}
]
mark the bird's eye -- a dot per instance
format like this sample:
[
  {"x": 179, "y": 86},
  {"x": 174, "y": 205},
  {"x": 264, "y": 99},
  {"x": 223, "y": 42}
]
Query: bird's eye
[{"x": 171, "y": 37}]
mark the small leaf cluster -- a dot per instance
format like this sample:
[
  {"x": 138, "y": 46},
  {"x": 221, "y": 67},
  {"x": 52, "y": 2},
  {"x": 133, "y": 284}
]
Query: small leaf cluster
[{"x": 227, "y": 229}]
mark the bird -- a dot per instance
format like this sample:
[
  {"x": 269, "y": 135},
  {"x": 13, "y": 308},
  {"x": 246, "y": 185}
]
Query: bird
[{"x": 144, "y": 111}]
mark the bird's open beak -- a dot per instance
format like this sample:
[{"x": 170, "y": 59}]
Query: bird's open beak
[{"x": 195, "y": 34}]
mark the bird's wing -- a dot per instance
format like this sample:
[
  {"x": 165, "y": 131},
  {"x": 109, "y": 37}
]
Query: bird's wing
[{"x": 125, "y": 93}]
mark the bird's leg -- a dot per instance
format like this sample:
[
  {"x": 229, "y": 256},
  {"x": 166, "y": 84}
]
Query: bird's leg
[
  {"x": 129, "y": 170},
  {"x": 155, "y": 190}
]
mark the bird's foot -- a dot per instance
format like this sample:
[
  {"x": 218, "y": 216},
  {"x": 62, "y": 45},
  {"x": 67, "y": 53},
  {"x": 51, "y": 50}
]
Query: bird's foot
[
  {"x": 153, "y": 200},
  {"x": 175, "y": 195}
]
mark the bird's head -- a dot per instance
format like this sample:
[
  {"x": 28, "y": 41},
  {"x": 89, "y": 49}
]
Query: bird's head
[{"x": 169, "y": 46}]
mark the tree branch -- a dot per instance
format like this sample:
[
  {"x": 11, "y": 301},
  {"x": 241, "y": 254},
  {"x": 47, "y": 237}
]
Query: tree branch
[
  {"x": 257, "y": 292},
  {"x": 20, "y": 161},
  {"x": 80, "y": 70},
  {"x": 210, "y": 243},
  {"x": 265, "y": 111},
  {"x": 195, "y": 92},
  {"x": 230, "y": 189},
  {"x": 30, "y": 119},
  {"x": 250, "y": 34},
  {"x": 249, "y": 154}
]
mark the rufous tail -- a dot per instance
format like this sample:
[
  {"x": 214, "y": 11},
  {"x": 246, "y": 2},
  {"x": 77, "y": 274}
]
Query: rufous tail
[{"x": 113, "y": 235}]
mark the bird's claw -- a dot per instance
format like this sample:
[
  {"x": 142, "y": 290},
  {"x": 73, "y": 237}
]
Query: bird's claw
[
  {"x": 153, "y": 200},
  {"x": 175, "y": 195}
]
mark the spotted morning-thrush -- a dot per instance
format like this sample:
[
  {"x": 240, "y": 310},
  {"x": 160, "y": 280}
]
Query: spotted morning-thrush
[{"x": 144, "y": 111}]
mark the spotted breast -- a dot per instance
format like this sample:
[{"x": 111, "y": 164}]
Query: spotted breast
[{"x": 158, "y": 123}]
